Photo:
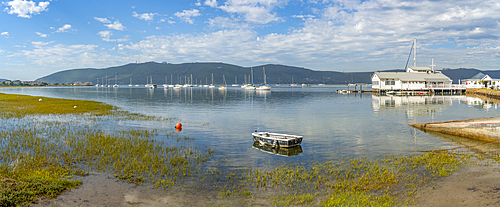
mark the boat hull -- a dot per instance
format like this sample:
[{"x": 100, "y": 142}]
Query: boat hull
[{"x": 277, "y": 140}]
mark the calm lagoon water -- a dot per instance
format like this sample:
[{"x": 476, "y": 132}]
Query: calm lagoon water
[{"x": 338, "y": 125}]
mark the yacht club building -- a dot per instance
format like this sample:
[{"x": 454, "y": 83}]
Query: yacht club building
[{"x": 414, "y": 79}]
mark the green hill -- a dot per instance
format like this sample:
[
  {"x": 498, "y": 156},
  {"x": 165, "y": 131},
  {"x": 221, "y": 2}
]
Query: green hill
[{"x": 202, "y": 72}]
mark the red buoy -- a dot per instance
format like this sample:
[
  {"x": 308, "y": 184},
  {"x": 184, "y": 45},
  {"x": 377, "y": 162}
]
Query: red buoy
[{"x": 178, "y": 125}]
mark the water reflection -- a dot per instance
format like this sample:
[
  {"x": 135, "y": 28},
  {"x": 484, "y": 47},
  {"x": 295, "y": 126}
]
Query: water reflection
[
  {"x": 485, "y": 148},
  {"x": 287, "y": 152},
  {"x": 426, "y": 105},
  {"x": 371, "y": 125}
]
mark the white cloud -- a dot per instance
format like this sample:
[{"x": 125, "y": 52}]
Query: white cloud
[
  {"x": 41, "y": 35},
  {"x": 227, "y": 45},
  {"x": 39, "y": 44},
  {"x": 303, "y": 16},
  {"x": 211, "y": 3},
  {"x": 145, "y": 16},
  {"x": 255, "y": 11},
  {"x": 197, "y": 4},
  {"x": 64, "y": 28},
  {"x": 5, "y": 34},
  {"x": 25, "y": 8},
  {"x": 68, "y": 56},
  {"x": 106, "y": 36},
  {"x": 116, "y": 25},
  {"x": 186, "y": 15},
  {"x": 225, "y": 22},
  {"x": 103, "y": 20}
]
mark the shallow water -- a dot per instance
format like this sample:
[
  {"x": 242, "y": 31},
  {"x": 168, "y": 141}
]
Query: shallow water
[{"x": 339, "y": 125}]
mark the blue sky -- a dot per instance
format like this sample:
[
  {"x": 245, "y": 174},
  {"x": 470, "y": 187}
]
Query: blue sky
[{"x": 38, "y": 38}]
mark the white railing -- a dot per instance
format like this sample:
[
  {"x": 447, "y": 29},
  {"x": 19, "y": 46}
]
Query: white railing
[{"x": 446, "y": 86}]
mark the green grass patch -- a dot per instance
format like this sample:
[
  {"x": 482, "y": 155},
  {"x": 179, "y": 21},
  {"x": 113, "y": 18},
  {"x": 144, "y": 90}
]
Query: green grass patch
[
  {"x": 13, "y": 105},
  {"x": 24, "y": 186}
]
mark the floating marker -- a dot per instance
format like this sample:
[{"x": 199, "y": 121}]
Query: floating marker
[{"x": 178, "y": 126}]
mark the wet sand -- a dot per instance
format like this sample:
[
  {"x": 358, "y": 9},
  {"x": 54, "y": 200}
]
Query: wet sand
[
  {"x": 99, "y": 190},
  {"x": 476, "y": 185}
]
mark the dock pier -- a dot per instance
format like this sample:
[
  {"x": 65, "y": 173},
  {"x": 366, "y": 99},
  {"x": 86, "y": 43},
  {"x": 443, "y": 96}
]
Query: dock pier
[{"x": 457, "y": 90}]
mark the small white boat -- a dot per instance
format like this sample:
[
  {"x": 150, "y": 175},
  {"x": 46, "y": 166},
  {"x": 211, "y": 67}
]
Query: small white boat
[
  {"x": 263, "y": 87},
  {"x": 276, "y": 139},
  {"x": 305, "y": 85},
  {"x": 250, "y": 87},
  {"x": 343, "y": 91}
]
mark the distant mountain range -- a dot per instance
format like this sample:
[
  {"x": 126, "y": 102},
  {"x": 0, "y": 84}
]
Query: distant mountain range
[
  {"x": 2, "y": 80},
  {"x": 139, "y": 73}
]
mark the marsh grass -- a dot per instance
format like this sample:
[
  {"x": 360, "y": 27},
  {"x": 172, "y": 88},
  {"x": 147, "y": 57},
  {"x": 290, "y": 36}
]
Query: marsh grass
[
  {"x": 45, "y": 144},
  {"x": 392, "y": 181}
]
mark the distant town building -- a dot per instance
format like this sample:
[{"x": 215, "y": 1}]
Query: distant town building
[
  {"x": 481, "y": 80},
  {"x": 78, "y": 83},
  {"x": 32, "y": 83}
]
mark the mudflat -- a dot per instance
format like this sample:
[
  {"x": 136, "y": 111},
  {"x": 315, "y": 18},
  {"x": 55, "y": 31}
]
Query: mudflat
[{"x": 474, "y": 185}]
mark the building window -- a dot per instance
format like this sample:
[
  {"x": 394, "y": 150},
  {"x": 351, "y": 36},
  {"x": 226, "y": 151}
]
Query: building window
[
  {"x": 390, "y": 83},
  {"x": 375, "y": 83}
]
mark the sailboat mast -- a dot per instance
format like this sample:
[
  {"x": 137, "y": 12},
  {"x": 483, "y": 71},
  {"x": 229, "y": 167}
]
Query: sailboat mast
[
  {"x": 415, "y": 52},
  {"x": 251, "y": 70},
  {"x": 264, "y": 69}
]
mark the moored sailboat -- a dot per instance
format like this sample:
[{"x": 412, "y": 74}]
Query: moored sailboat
[{"x": 264, "y": 86}]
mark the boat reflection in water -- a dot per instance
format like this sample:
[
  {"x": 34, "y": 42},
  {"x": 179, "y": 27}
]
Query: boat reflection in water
[{"x": 281, "y": 151}]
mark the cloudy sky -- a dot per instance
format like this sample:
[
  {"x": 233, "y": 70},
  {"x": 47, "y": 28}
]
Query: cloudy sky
[{"x": 41, "y": 37}]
